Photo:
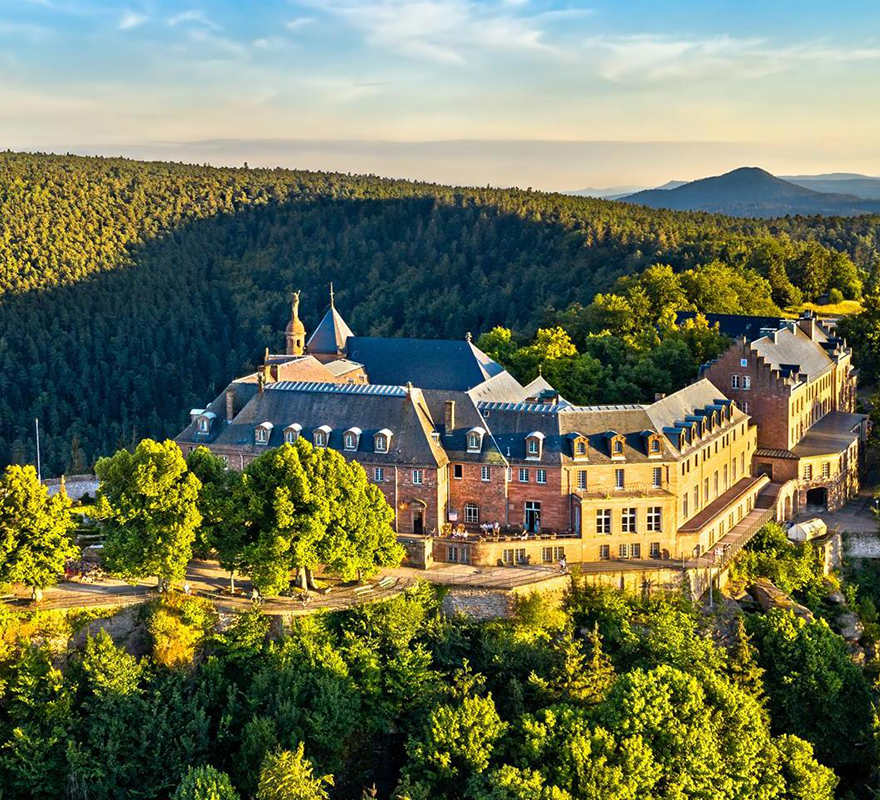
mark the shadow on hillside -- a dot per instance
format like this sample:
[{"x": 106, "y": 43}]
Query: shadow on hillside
[{"x": 125, "y": 354}]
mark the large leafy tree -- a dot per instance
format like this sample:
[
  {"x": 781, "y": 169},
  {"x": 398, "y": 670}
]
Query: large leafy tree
[
  {"x": 205, "y": 783},
  {"x": 35, "y": 531},
  {"x": 148, "y": 504},
  {"x": 305, "y": 506}
]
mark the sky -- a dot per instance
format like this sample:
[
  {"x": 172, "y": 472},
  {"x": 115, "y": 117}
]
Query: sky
[{"x": 534, "y": 93}]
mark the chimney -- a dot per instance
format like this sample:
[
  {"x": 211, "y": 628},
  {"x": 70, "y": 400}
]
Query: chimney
[
  {"x": 230, "y": 403},
  {"x": 449, "y": 417},
  {"x": 807, "y": 323},
  {"x": 267, "y": 373},
  {"x": 658, "y": 396}
]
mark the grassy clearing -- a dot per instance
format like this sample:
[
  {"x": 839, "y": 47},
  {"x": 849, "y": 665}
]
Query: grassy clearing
[{"x": 841, "y": 309}]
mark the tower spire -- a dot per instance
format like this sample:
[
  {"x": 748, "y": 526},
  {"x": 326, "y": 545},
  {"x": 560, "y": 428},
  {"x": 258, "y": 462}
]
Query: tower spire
[{"x": 331, "y": 295}]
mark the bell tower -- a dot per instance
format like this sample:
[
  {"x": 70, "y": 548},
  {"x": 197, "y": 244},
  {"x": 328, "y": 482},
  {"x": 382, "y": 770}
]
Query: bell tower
[{"x": 295, "y": 333}]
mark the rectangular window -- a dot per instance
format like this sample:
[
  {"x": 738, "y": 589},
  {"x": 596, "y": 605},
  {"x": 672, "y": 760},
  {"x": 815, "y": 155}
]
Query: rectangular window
[
  {"x": 743, "y": 362},
  {"x": 742, "y": 463},
  {"x": 747, "y": 383},
  {"x": 457, "y": 470},
  {"x": 507, "y": 556},
  {"x": 622, "y": 550},
  {"x": 509, "y": 474},
  {"x": 558, "y": 553},
  {"x": 745, "y": 407},
  {"x": 541, "y": 476},
  {"x": 547, "y": 555},
  {"x": 734, "y": 381},
  {"x": 582, "y": 479},
  {"x": 826, "y": 469},
  {"x": 628, "y": 517},
  {"x": 452, "y": 554},
  {"x": 418, "y": 477},
  {"x": 655, "y": 549},
  {"x": 619, "y": 480},
  {"x": 657, "y": 478},
  {"x": 485, "y": 473},
  {"x": 379, "y": 474},
  {"x": 808, "y": 472},
  {"x": 684, "y": 506},
  {"x": 471, "y": 513},
  {"x": 725, "y": 477},
  {"x": 604, "y": 552},
  {"x": 696, "y": 497},
  {"x": 521, "y": 556},
  {"x": 635, "y": 550},
  {"x": 523, "y": 475},
  {"x": 603, "y": 520},
  {"x": 655, "y": 518}
]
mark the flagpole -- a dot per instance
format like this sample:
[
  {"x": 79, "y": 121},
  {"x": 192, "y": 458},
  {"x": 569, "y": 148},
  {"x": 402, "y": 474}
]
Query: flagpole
[{"x": 37, "y": 428}]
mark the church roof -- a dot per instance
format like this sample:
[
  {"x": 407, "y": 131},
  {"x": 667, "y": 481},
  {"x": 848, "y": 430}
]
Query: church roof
[
  {"x": 330, "y": 335},
  {"x": 427, "y": 363}
]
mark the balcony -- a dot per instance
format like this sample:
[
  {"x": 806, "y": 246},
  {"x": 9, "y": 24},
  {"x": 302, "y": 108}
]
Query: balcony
[{"x": 603, "y": 491}]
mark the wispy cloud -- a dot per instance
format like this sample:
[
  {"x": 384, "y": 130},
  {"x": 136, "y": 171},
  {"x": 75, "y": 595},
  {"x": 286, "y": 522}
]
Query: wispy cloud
[
  {"x": 445, "y": 31},
  {"x": 192, "y": 16},
  {"x": 299, "y": 23},
  {"x": 651, "y": 58},
  {"x": 131, "y": 19}
]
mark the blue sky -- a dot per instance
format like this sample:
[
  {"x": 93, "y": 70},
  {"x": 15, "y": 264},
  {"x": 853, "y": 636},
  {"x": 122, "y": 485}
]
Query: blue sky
[{"x": 527, "y": 92}]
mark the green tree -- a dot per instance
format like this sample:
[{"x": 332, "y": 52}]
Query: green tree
[
  {"x": 220, "y": 505},
  {"x": 35, "y": 530},
  {"x": 205, "y": 783},
  {"x": 148, "y": 505},
  {"x": 288, "y": 775}
]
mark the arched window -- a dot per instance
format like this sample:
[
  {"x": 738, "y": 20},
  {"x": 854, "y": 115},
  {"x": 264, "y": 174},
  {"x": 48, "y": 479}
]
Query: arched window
[
  {"x": 580, "y": 448},
  {"x": 382, "y": 441},
  {"x": 655, "y": 445},
  {"x": 292, "y": 432},
  {"x": 533, "y": 445},
  {"x": 321, "y": 436},
  {"x": 618, "y": 445},
  {"x": 475, "y": 440},
  {"x": 262, "y": 433},
  {"x": 350, "y": 441}
]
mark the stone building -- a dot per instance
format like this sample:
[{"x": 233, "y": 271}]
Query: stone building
[
  {"x": 797, "y": 382},
  {"x": 487, "y": 471}
]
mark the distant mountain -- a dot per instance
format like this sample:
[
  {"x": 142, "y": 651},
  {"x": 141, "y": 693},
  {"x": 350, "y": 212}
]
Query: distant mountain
[
  {"x": 617, "y": 192},
  {"x": 611, "y": 193},
  {"x": 863, "y": 186},
  {"x": 753, "y": 192}
]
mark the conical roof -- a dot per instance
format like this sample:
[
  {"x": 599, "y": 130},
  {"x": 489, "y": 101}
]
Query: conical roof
[{"x": 330, "y": 335}]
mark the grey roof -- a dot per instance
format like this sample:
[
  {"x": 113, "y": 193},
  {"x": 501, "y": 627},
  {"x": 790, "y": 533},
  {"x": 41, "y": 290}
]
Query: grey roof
[
  {"x": 735, "y": 325},
  {"x": 330, "y": 335},
  {"x": 510, "y": 423},
  {"x": 426, "y": 363},
  {"x": 832, "y": 434},
  {"x": 502, "y": 387},
  {"x": 340, "y": 407},
  {"x": 467, "y": 416},
  {"x": 243, "y": 392},
  {"x": 790, "y": 350}
]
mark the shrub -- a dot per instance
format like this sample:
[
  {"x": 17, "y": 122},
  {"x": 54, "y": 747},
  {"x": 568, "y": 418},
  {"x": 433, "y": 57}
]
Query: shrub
[{"x": 178, "y": 624}]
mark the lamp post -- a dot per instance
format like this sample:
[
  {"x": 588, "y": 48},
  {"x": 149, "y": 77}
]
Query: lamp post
[{"x": 37, "y": 428}]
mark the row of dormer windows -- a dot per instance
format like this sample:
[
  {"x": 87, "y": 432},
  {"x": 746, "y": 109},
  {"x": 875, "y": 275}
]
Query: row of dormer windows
[{"x": 351, "y": 438}]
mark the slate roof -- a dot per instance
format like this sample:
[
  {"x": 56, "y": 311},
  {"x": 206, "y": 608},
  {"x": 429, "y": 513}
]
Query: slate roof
[
  {"x": 510, "y": 423},
  {"x": 341, "y": 407},
  {"x": 331, "y": 334},
  {"x": 790, "y": 350},
  {"x": 427, "y": 363},
  {"x": 832, "y": 434},
  {"x": 467, "y": 416},
  {"x": 244, "y": 390},
  {"x": 735, "y": 325}
]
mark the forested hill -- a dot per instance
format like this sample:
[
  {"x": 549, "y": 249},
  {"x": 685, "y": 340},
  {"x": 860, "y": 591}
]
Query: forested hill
[{"x": 131, "y": 291}]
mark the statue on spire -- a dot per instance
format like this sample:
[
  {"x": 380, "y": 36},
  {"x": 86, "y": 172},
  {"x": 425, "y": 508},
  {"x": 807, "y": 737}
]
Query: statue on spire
[
  {"x": 295, "y": 333},
  {"x": 331, "y": 295}
]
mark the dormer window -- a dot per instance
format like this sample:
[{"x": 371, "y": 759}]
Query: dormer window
[
  {"x": 351, "y": 439},
  {"x": 382, "y": 441},
  {"x": 618, "y": 446},
  {"x": 205, "y": 421},
  {"x": 615, "y": 444},
  {"x": 262, "y": 432},
  {"x": 321, "y": 436},
  {"x": 578, "y": 445},
  {"x": 292, "y": 432},
  {"x": 475, "y": 440},
  {"x": 534, "y": 444}
]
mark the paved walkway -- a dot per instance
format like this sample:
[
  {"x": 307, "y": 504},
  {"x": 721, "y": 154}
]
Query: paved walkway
[{"x": 856, "y": 516}]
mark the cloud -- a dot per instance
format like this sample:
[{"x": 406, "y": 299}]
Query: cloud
[
  {"x": 298, "y": 23},
  {"x": 131, "y": 19},
  {"x": 443, "y": 31},
  {"x": 651, "y": 58},
  {"x": 192, "y": 16}
]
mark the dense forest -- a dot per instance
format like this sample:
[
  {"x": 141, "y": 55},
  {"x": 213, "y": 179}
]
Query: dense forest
[
  {"x": 133, "y": 291},
  {"x": 607, "y": 698}
]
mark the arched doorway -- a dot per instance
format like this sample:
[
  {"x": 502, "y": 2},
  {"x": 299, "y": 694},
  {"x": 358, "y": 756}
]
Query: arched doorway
[
  {"x": 817, "y": 497},
  {"x": 418, "y": 516},
  {"x": 787, "y": 512}
]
